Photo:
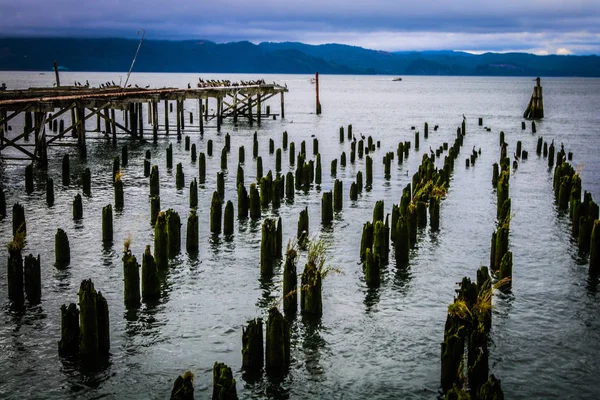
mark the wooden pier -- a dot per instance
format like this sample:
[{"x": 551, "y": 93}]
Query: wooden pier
[
  {"x": 535, "y": 108},
  {"x": 50, "y": 114}
]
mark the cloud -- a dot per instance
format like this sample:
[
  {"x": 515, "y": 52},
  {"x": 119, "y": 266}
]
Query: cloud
[{"x": 551, "y": 26}]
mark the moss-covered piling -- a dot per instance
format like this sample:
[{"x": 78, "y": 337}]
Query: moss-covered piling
[
  {"x": 14, "y": 273},
  {"x": 118, "y": 192},
  {"x": 154, "y": 182},
  {"x": 252, "y": 348},
  {"x": 327, "y": 208},
  {"x": 68, "y": 346},
  {"x": 66, "y": 170},
  {"x": 179, "y": 177},
  {"x": 62, "y": 250},
  {"x": 221, "y": 185},
  {"x": 150, "y": 278},
  {"x": 33, "y": 279},
  {"x": 191, "y": 238},
  {"x": 243, "y": 202},
  {"x": 131, "y": 278},
  {"x": 161, "y": 242},
  {"x": 277, "y": 352},
  {"x": 290, "y": 282},
  {"x": 202, "y": 169},
  {"x": 194, "y": 194},
  {"x": 209, "y": 148},
  {"x": 369, "y": 171},
  {"x": 255, "y": 211}
]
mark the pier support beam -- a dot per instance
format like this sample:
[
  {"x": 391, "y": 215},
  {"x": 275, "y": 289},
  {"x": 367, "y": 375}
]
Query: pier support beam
[{"x": 282, "y": 106}]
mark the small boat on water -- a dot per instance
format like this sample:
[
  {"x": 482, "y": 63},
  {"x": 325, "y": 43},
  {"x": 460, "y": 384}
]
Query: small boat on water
[{"x": 396, "y": 79}]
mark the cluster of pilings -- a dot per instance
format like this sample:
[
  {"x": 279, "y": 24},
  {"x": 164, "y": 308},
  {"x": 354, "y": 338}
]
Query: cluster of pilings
[
  {"x": 464, "y": 351},
  {"x": 419, "y": 198},
  {"x": 501, "y": 260},
  {"x": 583, "y": 212},
  {"x": 84, "y": 332}
]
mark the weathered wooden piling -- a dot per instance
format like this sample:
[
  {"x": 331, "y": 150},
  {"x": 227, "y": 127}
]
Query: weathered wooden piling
[
  {"x": 338, "y": 194},
  {"x": 209, "y": 148},
  {"x": 50, "y": 192},
  {"x": 224, "y": 159},
  {"x": 243, "y": 202},
  {"x": 124, "y": 156},
  {"x": 68, "y": 346},
  {"x": 259, "y": 168},
  {"x": 193, "y": 155},
  {"x": 77, "y": 207},
  {"x": 359, "y": 181},
  {"x": 216, "y": 213},
  {"x": 595, "y": 248},
  {"x": 292, "y": 153},
  {"x": 277, "y": 352},
  {"x": 303, "y": 149},
  {"x": 284, "y": 140},
  {"x": 154, "y": 182},
  {"x": 353, "y": 191},
  {"x": 506, "y": 266},
  {"x": 278, "y": 160},
  {"x": 147, "y": 167},
  {"x": 194, "y": 194},
  {"x": 378, "y": 211},
  {"x": 86, "y": 180},
  {"x": 221, "y": 185},
  {"x": 154, "y": 209},
  {"x": 228, "y": 219},
  {"x": 311, "y": 282},
  {"x": 417, "y": 140},
  {"x": 343, "y": 159},
  {"x": 434, "y": 213},
  {"x": 268, "y": 247},
  {"x": 266, "y": 184},
  {"x": 495, "y": 175},
  {"x": 327, "y": 208},
  {"x": 255, "y": 149},
  {"x": 107, "y": 224},
  {"x": 173, "y": 233},
  {"x": 66, "y": 171},
  {"x": 131, "y": 279},
  {"x": 62, "y": 250},
  {"x": 252, "y": 349},
  {"x": 33, "y": 279},
  {"x": 14, "y": 272},
  {"x": 187, "y": 143},
  {"x": 551, "y": 155},
  {"x": 540, "y": 143},
  {"x": 241, "y": 155},
  {"x": 402, "y": 241},
  {"x": 366, "y": 241},
  {"x": 191, "y": 240},
  {"x": 150, "y": 278},
  {"x": 369, "y": 171},
  {"x": 29, "y": 178},
  {"x": 179, "y": 177},
  {"x": 118, "y": 192},
  {"x": 94, "y": 324},
  {"x": 161, "y": 242},
  {"x": 289, "y": 186},
  {"x": 170, "y": 156},
  {"x": 290, "y": 282},
  {"x": 255, "y": 211},
  {"x": 202, "y": 169}
]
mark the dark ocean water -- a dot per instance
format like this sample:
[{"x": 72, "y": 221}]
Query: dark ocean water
[{"x": 376, "y": 344}]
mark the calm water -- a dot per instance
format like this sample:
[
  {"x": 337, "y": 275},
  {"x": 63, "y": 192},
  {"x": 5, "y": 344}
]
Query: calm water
[{"x": 376, "y": 344}]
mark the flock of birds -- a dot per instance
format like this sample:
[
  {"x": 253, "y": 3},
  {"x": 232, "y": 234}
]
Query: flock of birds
[{"x": 227, "y": 83}]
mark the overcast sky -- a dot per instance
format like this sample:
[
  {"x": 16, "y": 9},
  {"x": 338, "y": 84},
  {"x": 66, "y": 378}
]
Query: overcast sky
[{"x": 535, "y": 26}]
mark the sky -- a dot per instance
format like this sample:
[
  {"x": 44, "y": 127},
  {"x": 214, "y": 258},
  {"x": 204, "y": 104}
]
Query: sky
[{"x": 477, "y": 26}]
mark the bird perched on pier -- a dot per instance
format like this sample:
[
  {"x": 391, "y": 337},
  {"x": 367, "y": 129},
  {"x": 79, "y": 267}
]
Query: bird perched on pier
[
  {"x": 147, "y": 86},
  {"x": 464, "y": 118},
  {"x": 189, "y": 86},
  {"x": 431, "y": 151},
  {"x": 87, "y": 84}
]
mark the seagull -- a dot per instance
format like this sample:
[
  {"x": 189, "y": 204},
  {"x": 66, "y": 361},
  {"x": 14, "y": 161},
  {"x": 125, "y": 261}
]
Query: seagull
[
  {"x": 189, "y": 86},
  {"x": 431, "y": 151},
  {"x": 464, "y": 118}
]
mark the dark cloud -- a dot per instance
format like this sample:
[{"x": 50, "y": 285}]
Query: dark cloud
[{"x": 535, "y": 26}]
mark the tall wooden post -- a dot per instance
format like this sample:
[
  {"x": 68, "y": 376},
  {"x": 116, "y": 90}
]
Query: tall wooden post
[
  {"x": 166, "y": 117},
  {"x": 177, "y": 115},
  {"x": 235, "y": 107},
  {"x": 282, "y": 107},
  {"x": 107, "y": 127},
  {"x": 258, "y": 108},
  {"x": 56, "y": 73},
  {"x": 219, "y": 101},
  {"x": 318, "y": 103},
  {"x": 250, "y": 109},
  {"x": 155, "y": 120},
  {"x": 114, "y": 124},
  {"x": 141, "y": 119},
  {"x": 200, "y": 105},
  {"x": 182, "y": 114},
  {"x": 206, "y": 109}
]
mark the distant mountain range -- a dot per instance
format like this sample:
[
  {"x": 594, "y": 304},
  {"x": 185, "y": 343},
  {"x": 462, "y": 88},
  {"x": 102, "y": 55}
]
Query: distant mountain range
[{"x": 115, "y": 55}]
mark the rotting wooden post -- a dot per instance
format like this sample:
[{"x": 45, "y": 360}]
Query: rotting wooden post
[
  {"x": 107, "y": 224},
  {"x": 29, "y": 178},
  {"x": 282, "y": 106},
  {"x": 327, "y": 208},
  {"x": 369, "y": 177},
  {"x": 2, "y": 204},
  {"x": 191, "y": 240},
  {"x": 154, "y": 182},
  {"x": 239, "y": 179},
  {"x": 255, "y": 211},
  {"x": 187, "y": 143},
  {"x": 194, "y": 194},
  {"x": 290, "y": 282},
  {"x": 154, "y": 121},
  {"x": 372, "y": 270},
  {"x": 284, "y": 140},
  {"x": 68, "y": 346},
  {"x": 258, "y": 108},
  {"x": 118, "y": 189},
  {"x": 170, "y": 156},
  {"x": 223, "y": 383},
  {"x": 87, "y": 182},
  {"x": 252, "y": 349},
  {"x": 224, "y": 159},
  {"x": 219, "y": 113},
  {"x": 221, "y": 185},
  {"x": 268, "y": 247},
  {"x": 209, "y": 148},
  {"x": 200, "y": 119},
  {"x": 215, "y": 214},
  {"x": 173, "y": 233},
  {"x": 179, "y": 177},
  {"x": 289, "y": 186},
  {"x": 161, "y": 255},
  {"x": 14, "y": 273},
  {"x": 150, "y": 279},
  {"x": 277, "y": 352},
  {"x": 77, "y": 207},
  {"x": 595, "y": 248},
  {"x": 243, "y": 201},
  {"x": 167, "y": 117},
  {"x": 131, "y": 279},
  {"x": 178, "y": 118},
  {"x": 50, "y": 192},
  {"x": 56, "y": 73},
  {"x": 228, "y": 219},
  {"x": 338, "y": 192},
  {"x": 318, "y": 103},
  {"x": 154, "y": 209},
  {"x": 202, "y": 169},
  {"x": 402, "y": 241},
  {"x": 66, "y": 171}
]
